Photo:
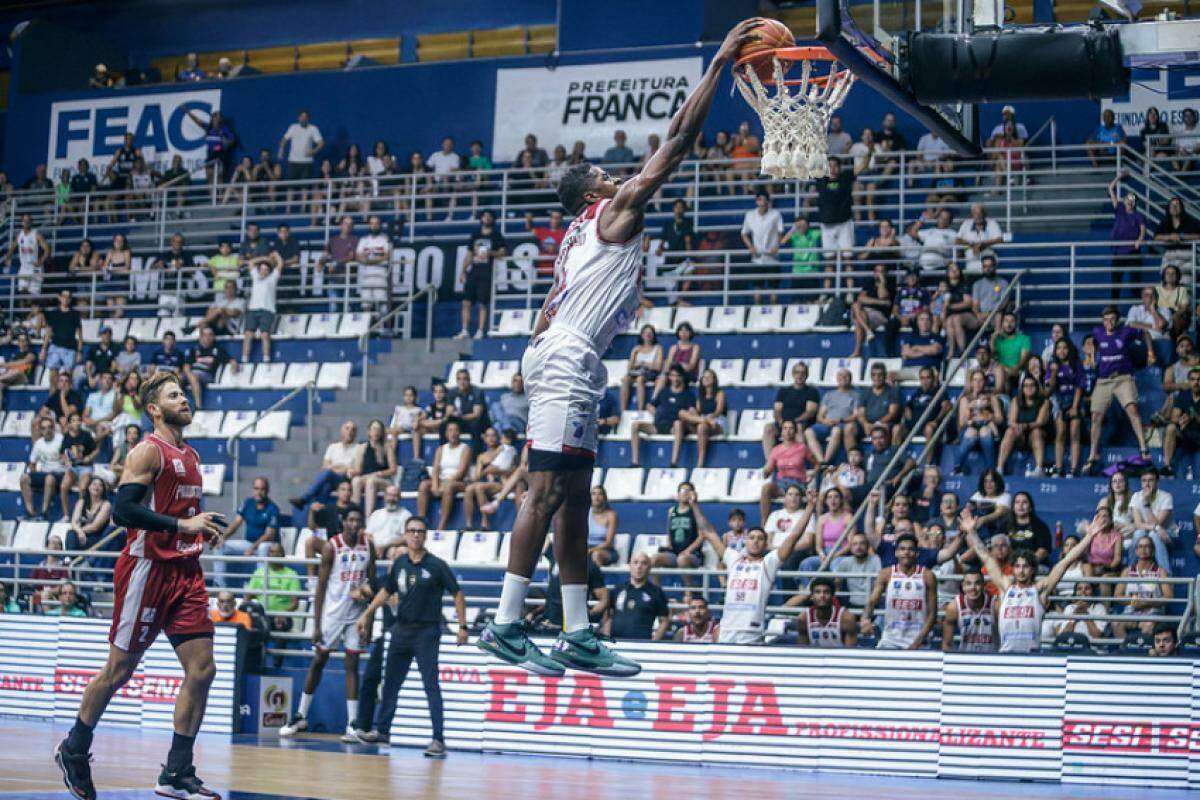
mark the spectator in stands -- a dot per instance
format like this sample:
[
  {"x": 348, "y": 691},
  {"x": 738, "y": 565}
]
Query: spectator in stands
[
  {"x": 79, "y": 451},
  {"x": 830, "y": 531},
  {"x": 536, "y": 153},
  {"x": 1174, "y": 234},
  {"x": 745, "y": 150},
  {"x": 867, "y": 168},
  {"x": 835, "y": 209},
  {"x": 825, "y": 623},
  {"x": 167, "y": 357},
  {"x": 1128, "y": 234},
  {"x": 132, "y": 434},
  {"x": 892, "y": 140},
  {"x": 1187, "y": 142},
  {"x": 920, "y": 400},
  {"x": 280, "y": 586},
  {"x": 619, "y": 153},
  {"x": 928, "y": 496},
  {"x": 640, "y": 609},
  {"x": 85, "y": 260},
  {"x": 986, "y": 291},
  {"x": 778, "y": 522},
  {"x": 805, "y": 244},
  {"x": 798, "y": 402},
  {"x": 836, "y": 420},
  {"x": 602, "y": 529},
  {"x": 406, "y": 420},
  {"x": 682, "y": 550},
  {"x": 45, "y": 470},
  {"x": 1142, "y": 594},
  {"x": 1174, "y": 299},
  {"x": 849, "y": 476},
  {"x": 261, "y": 519},
  {"x": 1012, "y": 349},
  {"x": 1009, "y": 155},
  {"x": 304, "y": 141},
  {"x": 700, "y": 627},
  {"x": 707, "y": 418},
  {"x": 992, "y": 504},
  {"x": 549, "y": 617},
  {"x": 374, "y": 258},
  {"x": 225, "y": 315},
  {"x": 882, "y": 451},
  {"x": 129, "y": 403},
  {"x": 1153, "y": 511},
  {"x": 19, "y": 366},
  {"x": 979, "y": 418},
  {"x": 101, "y": 407},
  {"x": 447, "y": 476},
  {"x": 68, "y": 601},
  {"x": 259, "y": 319},
  {"x": 385, "y": 525},
  {"x": 510, "y": 412},
  {"x": 434, "y": 416},
  {"x": 91, "y": 515},
  {"x": 1183, "y": 431},
  {"x": 284, "y": 249},
  {"x": 1106, "y": 554},
  {"x": 911, "y": 298},
  {"x": 871, "y": 307},
  {"x": 375, "y": 467},
  {"x": 487, "y": 246},
  {"x": 446, "y": 164},
  {"x": 838, "y": 142},
  {"x": 1115, "y": 381},
  {"x": 61, "y": 402},
  {"x": 762, "y": 231},
  {"x": 856, "y": 568},
  {"x": 191, "y": 72},
  {"x": 936, "y": 157},
  {"x": 227, "y": 613},
  {"x": 665, "y": 408},
  {"x": 786, "y": 468},
  {"x": 339, "y": 463},
  {"x": 340, "y": 251},
  {"x": 1027, "y": 531},
  {"x": 1102, "y": 143},
  {"x": 177, "y": 272},
  {"x": 1148, "y": 316},
  {"x": 467, "y": 405},
  {"x": 645, "y": 365},
  {"x": 879, "y": 403},
  {"x": 7, "y": 604},
  {"x": 978, "y": 235},
  {"x": 549, "y": 239},
  {"x": 909, "y": 593},
  {"x": 62, "y": 334},
  {"x": 937, "y": 243},
  {"x": 203, "y": 364},
  {"x": 1065, "y": 384},
  {"x": 493, "y": 465},
  {"x": 1166, "y": 641},
  {"x": 129, "y": 360},
  {"x": 958, "y": 313}
]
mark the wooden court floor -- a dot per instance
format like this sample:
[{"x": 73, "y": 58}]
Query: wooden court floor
[{"x": 127, "y": 763}]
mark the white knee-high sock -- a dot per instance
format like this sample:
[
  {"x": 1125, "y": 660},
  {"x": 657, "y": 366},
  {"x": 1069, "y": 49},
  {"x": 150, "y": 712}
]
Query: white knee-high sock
[
  {"x": 575, "y": 608},
  {"x": 305, "y": 702},
  {"x": 512, "y": 598}
]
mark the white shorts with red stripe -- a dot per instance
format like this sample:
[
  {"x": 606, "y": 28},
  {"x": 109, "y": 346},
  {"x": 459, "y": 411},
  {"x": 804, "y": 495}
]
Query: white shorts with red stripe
[
  {"x": 565, "y": 380},
  {"x": 343, "y": 630}
]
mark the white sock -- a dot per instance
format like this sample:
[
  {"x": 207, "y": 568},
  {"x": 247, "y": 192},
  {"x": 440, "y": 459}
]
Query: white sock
[
  {"x": 352, "y": 711},
  {"x": 305, "y": 702},
  {"x": 575, "y": 608},
  {"x": 512, "y": 598}
]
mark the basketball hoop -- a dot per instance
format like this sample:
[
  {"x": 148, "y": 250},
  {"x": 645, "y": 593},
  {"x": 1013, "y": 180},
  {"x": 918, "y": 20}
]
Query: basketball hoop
[{"x": 794, "y": 122}]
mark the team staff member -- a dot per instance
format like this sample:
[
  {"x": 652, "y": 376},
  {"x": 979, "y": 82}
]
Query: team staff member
[{"x": 419, "y": 579}]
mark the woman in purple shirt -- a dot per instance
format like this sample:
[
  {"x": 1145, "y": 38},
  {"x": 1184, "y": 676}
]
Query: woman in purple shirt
[
  {"x": 1128, "y": 233},
  {"x": 1114, "y": 371},
  {"x": 1066, "y": 383}
]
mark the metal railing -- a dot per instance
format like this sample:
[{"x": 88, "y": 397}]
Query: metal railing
[
  {"x": 404, "y": 306},
  {"x": 234, "y": 443}
]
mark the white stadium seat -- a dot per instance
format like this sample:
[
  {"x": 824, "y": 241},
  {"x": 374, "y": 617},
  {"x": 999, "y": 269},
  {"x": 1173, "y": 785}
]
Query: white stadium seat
[
  {"x": 751, "y": 422},
  {"x": 323, "y": 326},
  {"x": 833, "y": 365},
  {"x": 43, "y": 380},
  {"x": 959, "y": 379},
  {"x": 712, "y": 483},
  {"x": 59, "y": 529},
  {"x": 287, "y": 538},
  {"x": 141, "y": 328},
  {"x": 213, "y": 477},
  {"x": 747, "y": 485},
  {"x": 625, "y": 426},
  {"x": 597, "y": 477},
  {"x": 18, "y": 423},
  {"x": 242, "y": 379},
  {"x": 273, "y": 425},
  {"x": 31, "y": 535},
  {"x": 269, "y": 376},
  {"x": 506, "y": 544},
  {"x": 514, "y": 322},
  {"x": 762, "y": 372},
  {"x": 814, "y": 369},
  {"x": 442, "y": 544},
  {"x": 354, "y": 325},
  {"x": 473, "y": 368},
  {"x": 300, "y": 373},
  {"x": 764, "y": 319},
  {"x": 726, "y": 319},
  {"x": 729, "y": 370},
  {"x": 800, "y": 319},
  {"x": 621, "y": 544},
  {"x": 659, "y": 316},
  {"x": 8, "y": 528},
  {"x": 205, "y": 425},
  {"x": 662, "y": 483},
  {"x": 291, "y": 326},
  {"x": 617, "y": 369},
  {"x": 623, "y": 483},
  {"x": 297, "y": 549},
  {"x": 498, "y": 374},
  {"x": 173, "y": 325},
  {"x": 10, "y": 476},
  {"x": 478, "y": 547},
  {"x": 334, "y": 375},
  {"x": 648, "y": 543},
  {"x": 696, "y": 316},
  {"x": 237, "y": 420},
  {"x": 892, "y": 365}
]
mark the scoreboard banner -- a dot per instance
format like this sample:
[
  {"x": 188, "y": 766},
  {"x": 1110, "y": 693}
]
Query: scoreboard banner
[
  {"x": 1074, "y": 719},
  {"x": 45, "y": 663}
]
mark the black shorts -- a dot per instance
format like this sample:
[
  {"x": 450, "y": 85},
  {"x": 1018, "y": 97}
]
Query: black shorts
[
  {"x": 663, "y": 427},
  {"x": 298, "y": 172},
  {"x": 478, "y": 285},
  {"x": 550, "y": 461}
]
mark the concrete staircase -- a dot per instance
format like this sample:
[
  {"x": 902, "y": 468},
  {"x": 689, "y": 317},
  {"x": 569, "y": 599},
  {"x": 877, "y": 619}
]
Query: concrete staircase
[{"x": 290, "y": 467}]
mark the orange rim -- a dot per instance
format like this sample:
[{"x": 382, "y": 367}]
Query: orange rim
[{"x": 787, "y": 56}]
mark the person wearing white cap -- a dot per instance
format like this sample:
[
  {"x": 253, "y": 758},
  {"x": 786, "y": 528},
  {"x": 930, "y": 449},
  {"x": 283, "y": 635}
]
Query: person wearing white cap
[{"x": 1007, "y": 113}]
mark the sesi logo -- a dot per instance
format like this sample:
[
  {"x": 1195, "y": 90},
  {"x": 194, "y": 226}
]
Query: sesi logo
[{"x": 161, "y": 128}]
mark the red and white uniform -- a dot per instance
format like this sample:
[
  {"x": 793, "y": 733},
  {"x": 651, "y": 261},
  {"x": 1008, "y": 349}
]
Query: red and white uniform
[
  {"x": 597, "y": 289},
  {"x": 340, "y": 612},
  {"x": 158, "y": 584},
  {"x": 1020, "y": 619},
  {"x": 976, "y": 629},
  {"x": 706, "y": 636},
  {"x": 904, "y": 609},
  {"x": 824, "y": 634},
  {"x": 748, "y": 585}
]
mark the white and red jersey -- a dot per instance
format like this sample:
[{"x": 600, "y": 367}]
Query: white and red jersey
[
  {"x": 348, "y": 572},
  {"x": 1021, "y": 613},
  {"x": 706, "y": 636},
  {"x": 597, "y": 282},
  {"x": 976, "y": 628},
  {"x": 904, "y": 610},
  {"x": 824, "y": 634},
  {"x": 28, "y": 248},
  {"x": 748, "y": 585},
  {"x": 176, "y": 491}
]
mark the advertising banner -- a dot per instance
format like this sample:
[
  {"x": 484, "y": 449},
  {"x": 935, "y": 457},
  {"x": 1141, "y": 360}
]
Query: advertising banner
[
  {"x": 1168, "y": 90},
  {"x": 588, "y": 103}
]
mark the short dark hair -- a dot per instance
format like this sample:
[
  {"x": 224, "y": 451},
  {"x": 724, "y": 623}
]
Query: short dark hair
[
  {"x": 1165, "y": 627},
  {"x": 700, "y": 598},
  {"x": 416, "y": 518},
  {"x": 574, "y": 184},
  {"x": 826, "y": 582},
  {"x": 906, "y": 537}
]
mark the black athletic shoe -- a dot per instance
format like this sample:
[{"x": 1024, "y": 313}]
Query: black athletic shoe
[
  {"x": 76, "y": 770},
  {"x": 1166, "y": 472},
  {"x": 183, "y": 785}
]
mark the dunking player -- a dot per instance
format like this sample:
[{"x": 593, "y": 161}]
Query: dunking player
[
  {"x": 158, "y": 585},
  {"x": 595, "y": 293}
]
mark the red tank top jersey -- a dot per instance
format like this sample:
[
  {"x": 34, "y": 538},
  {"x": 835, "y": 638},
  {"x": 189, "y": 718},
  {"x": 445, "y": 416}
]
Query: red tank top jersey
[
  {"x": 175, "y": 491},
  {"x": 706, "y": 636}
]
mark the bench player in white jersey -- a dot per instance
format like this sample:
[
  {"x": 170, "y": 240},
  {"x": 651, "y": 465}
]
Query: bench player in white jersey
[
  {"x": 700, "y": 628},
  {"x": 825, "y": 623},
  {"x": 1023, "y": 598},
  {"x": 32, "y": 252},
  {"x": 909, "y": 593},
  {"x": 596, "y": 292},
  {"x": 344, "y": 582},
  {"x": 750, "y": 578},
  {"x": 972, "y": 616}
]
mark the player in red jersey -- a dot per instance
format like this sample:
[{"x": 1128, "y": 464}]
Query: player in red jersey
[{"x": 158, "y": 585}]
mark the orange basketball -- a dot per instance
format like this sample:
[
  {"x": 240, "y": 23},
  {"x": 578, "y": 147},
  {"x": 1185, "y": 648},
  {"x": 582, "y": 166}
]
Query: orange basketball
[{"x": 772, "y": 34}]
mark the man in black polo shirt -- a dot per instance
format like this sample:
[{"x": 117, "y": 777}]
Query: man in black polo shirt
[
  {"x": 63, "y": 347},
  {"x": 62, "y": 402},
  {"x": 418, "y": 579},
  {"x": 798, "y": 402},
  {"x": 167, "y": 357},
  {"x": 100, "y": 358},
  {"x": 835, "y": 209},
  {"x": 178, "y": 269},
  {"x": 677, "y": 236},
  {"x": 203, "y": 363},
  {"x": 82, "y": 183},
  {"x": 640, "y": 609},
  {"x": 1184, "y": 430},
  {"x": 487, "y": 245},
  {"x": 285, "y": 250}
]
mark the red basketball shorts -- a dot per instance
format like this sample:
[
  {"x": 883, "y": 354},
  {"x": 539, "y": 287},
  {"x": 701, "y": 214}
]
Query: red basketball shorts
[{"x": 153, "y": 596}]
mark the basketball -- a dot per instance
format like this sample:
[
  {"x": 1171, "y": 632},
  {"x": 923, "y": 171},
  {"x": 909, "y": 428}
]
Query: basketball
[{"x": 772, "y": 34}]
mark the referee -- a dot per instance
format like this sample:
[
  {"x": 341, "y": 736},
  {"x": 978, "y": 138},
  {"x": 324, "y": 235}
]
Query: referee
[{"x": 418, "y": 579}]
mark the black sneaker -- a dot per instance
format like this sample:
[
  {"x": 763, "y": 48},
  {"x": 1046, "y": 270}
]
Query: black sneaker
[
  {"x": 183, "y": 785},
  {"x": 76, "y": 770},
  {"x": 1166, "y": 472}
]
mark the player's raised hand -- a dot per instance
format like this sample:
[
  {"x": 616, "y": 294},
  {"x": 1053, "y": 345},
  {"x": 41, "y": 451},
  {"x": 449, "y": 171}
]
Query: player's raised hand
[
  {"x": 209, "y": 524},
  {"x": 739, "y": 35}
]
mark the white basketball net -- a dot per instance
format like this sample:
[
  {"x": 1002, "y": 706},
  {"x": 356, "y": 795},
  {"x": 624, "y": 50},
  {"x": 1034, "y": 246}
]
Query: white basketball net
[{"x": 795, "y": 125}]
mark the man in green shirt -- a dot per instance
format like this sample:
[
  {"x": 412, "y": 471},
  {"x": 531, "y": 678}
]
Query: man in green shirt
[
  {"x": 1012, "y": 349},
  {"x": 805, "y": 244},
  {"x": 277, "y": 578}
]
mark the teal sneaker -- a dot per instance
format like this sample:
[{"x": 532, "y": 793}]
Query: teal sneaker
[
  {"x": 583, "y": 650},
  {"x": 511, "y": 644}
]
